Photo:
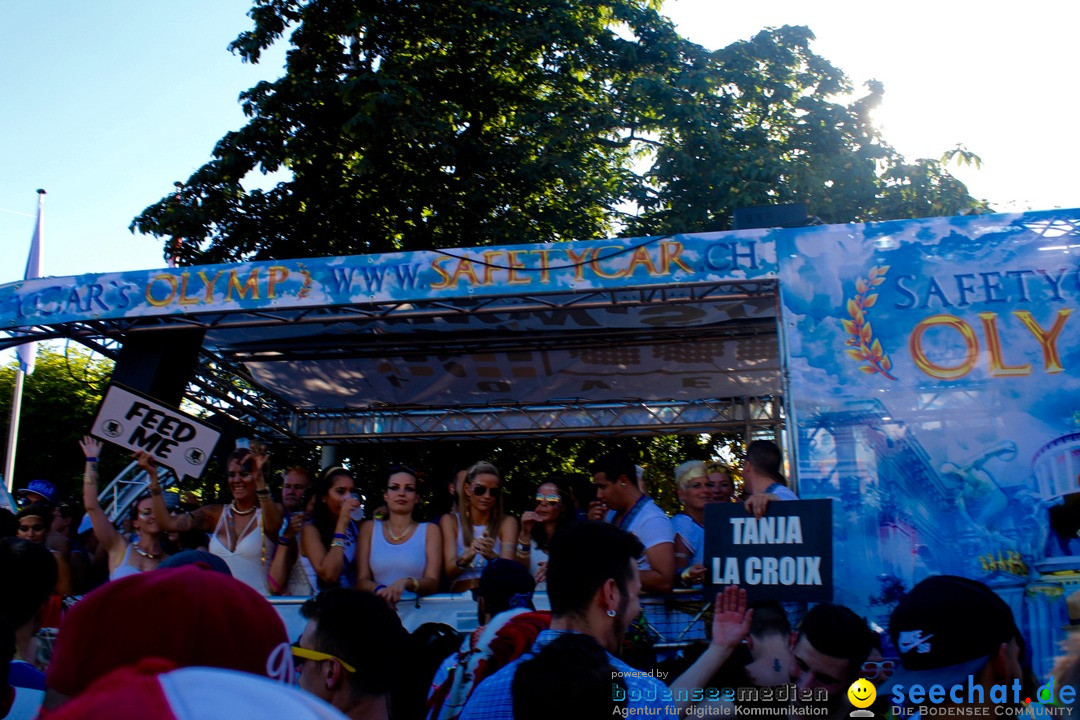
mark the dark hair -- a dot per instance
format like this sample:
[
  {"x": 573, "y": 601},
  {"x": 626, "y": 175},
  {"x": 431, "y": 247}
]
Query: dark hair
[
  {"x": 838, "y": 632},
  {"x": 769, "y": 619},
  {"x": 615, "y": 465},
  {"x": 505, "y": 584},
  {"x": 765, "y": 456},
  {"x": 361, "y": 629},
  {"x": 579, "y": 668},
  {"x": 567, "y": 512},
  {"x": 37, "y": 509},
  {"x": 582, "y": 558},
  {"x": 34, "y": 568},
  {"x": 133, "y": 513},
  {"x": 321, "y": 518}
]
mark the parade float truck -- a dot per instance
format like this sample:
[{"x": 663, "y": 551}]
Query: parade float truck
[{"x": 922, "y": 375}]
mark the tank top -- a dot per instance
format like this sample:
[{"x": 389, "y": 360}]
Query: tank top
[
  {"x": 246, "y": 561},
  {"x": 348, "y": 569},
  {"x": 390, "y": 562},
  {"x": 479, "y": 562},
  {"x": 124, "y": 569}
]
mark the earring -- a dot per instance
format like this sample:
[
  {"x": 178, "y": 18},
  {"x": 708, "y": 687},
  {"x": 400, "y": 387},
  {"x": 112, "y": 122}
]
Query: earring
[
  {"x": 611, "y": 613},
  {"x": 622, "y": 484}
]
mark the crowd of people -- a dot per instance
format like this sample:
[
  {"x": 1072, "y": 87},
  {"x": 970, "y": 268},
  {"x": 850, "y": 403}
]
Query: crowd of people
[{"x": 177, "y": 610}]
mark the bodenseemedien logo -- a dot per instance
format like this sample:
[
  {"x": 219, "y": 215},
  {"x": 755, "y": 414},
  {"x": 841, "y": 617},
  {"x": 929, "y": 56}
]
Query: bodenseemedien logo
[{"x": 962, "y": 698}]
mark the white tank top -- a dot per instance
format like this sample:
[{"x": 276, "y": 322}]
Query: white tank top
[
  {"x": 390, "y": 562},
  {"x": 246, "y": 561}
]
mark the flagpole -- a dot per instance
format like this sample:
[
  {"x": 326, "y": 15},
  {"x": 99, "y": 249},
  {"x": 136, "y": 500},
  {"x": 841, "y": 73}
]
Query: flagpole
[
  {"x": 25, "y": 353},
  {"x": 13, "y": 430}
]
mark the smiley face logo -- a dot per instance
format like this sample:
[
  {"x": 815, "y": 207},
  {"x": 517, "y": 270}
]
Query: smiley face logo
[{"x": 862, "y": 693}]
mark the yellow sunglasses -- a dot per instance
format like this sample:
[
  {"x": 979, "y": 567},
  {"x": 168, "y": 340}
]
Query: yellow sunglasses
[{"x": 305, "y": 654}]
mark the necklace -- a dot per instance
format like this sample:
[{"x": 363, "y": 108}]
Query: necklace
[
  {"x": 147, "y": 554},
  {"x": 238, "y": 511},
  {"x": 394, "y": 537}
]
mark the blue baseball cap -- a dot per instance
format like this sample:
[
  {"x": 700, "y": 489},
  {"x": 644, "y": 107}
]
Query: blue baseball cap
[{"x": 44, "y": 488}]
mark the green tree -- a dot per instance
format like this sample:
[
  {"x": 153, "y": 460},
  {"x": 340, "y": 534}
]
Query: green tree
[
  {"x": 461, "y": 122},
  {"x": 60, "y": 399}
]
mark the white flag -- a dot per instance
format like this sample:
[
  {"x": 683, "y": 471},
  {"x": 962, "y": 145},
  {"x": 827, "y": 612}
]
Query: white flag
[{"x": 28, "y": 352}]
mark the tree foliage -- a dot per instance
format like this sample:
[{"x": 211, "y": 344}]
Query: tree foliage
[
  {"x": 464, "y": 122},
  {"x": 60, "y": 399}
]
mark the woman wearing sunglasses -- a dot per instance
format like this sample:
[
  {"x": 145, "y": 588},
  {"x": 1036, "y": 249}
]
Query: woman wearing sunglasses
[
  {"x": 478, "y": 532},
  {"x": 124, "y": 558},
  {"x": 399, "y": 555},
  {"x": 241, "y": 530},
  {"x": 554, "y": 511}
]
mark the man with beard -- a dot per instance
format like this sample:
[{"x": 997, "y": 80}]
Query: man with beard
[{"x": 593, "y": 587}]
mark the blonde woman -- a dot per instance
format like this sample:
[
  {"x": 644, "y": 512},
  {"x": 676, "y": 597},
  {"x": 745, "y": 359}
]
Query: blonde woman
[
  {"x": 478, "y": 532},
  {"x": 695, "y": 489}
]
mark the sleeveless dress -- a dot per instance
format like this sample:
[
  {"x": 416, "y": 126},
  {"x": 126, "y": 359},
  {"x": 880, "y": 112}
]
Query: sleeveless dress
[
  {"x": 390, "y": 562},
  {"x": 246, "y": 561},
  {"x": 124, "y": 569}
]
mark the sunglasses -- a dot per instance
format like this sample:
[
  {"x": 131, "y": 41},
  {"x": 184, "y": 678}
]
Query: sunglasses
[
  {"x": 552, "y": 499},
  {"x": 482, "y": 490},
  {"x": 871, "y": 669},
  {"x": 305, "y": 654}
]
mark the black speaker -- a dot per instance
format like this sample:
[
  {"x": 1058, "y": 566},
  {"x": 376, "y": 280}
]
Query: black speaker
[{"x": 159, "y": 363}]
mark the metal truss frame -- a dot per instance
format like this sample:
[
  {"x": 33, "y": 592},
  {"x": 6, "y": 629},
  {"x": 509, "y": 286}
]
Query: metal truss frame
[
  {"x": 570, "y": 419},
  {"x": 223, "y": 385}
]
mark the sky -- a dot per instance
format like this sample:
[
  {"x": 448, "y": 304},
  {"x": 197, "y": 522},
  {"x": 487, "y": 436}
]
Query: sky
[{"x": 106, "y": 104}]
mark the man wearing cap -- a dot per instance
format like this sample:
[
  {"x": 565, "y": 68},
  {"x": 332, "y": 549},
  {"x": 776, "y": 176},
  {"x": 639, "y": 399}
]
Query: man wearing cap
[{"x": 956, "y": 634}]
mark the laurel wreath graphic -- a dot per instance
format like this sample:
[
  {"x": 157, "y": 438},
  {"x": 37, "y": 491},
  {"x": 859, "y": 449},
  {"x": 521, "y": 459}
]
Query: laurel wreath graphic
[
  {"x": 305, "y": 289},
  {"x": 862, "y": 345}
]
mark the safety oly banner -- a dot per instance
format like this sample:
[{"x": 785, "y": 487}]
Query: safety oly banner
[{"x": 174, "y": 439}]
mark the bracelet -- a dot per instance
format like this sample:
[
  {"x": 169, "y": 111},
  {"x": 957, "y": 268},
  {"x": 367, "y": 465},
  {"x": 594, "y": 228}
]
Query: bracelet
[
  {"x": 378, "y": 588},
  {"x": 262, "y": 494},
  {"x": 341, "y": 536},
  {"x": 415, "y": 584},
  {"x": 89, "y": 482},
  {"x": 282, "y": 540},
  {"x": 524, "y": 547},
  {"x": 155, "y": 491},
  {"x": 337, "y": 544},
  {"x": 91, "y": 459},
  {"x": 461, "y": 563}
]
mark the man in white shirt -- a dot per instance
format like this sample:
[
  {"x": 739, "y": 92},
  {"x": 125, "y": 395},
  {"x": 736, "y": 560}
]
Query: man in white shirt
[{"x": 620, "y": 501}]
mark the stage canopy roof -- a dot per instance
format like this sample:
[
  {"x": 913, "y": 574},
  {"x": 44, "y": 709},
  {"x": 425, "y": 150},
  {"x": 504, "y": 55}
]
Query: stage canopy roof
[{"x": 640, "y": 335}]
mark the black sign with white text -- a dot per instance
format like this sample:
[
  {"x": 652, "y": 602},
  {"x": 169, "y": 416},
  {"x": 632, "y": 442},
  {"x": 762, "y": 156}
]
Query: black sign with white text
[{"x": 785, "y": 555}]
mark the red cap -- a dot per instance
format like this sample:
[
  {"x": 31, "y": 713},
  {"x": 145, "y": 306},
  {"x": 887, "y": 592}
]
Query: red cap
[{"x": 189, "y": 615}]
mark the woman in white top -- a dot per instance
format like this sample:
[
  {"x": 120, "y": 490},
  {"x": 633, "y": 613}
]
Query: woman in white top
[
  {"x": 695, "y": 489},
  {"x": 478, "y": 532},
  {"x": 240, "y": 530},
  {"x": 124, "y": 558},
  {"x": 399, "y": 555},
  {"x": 554, "y": 510}
]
